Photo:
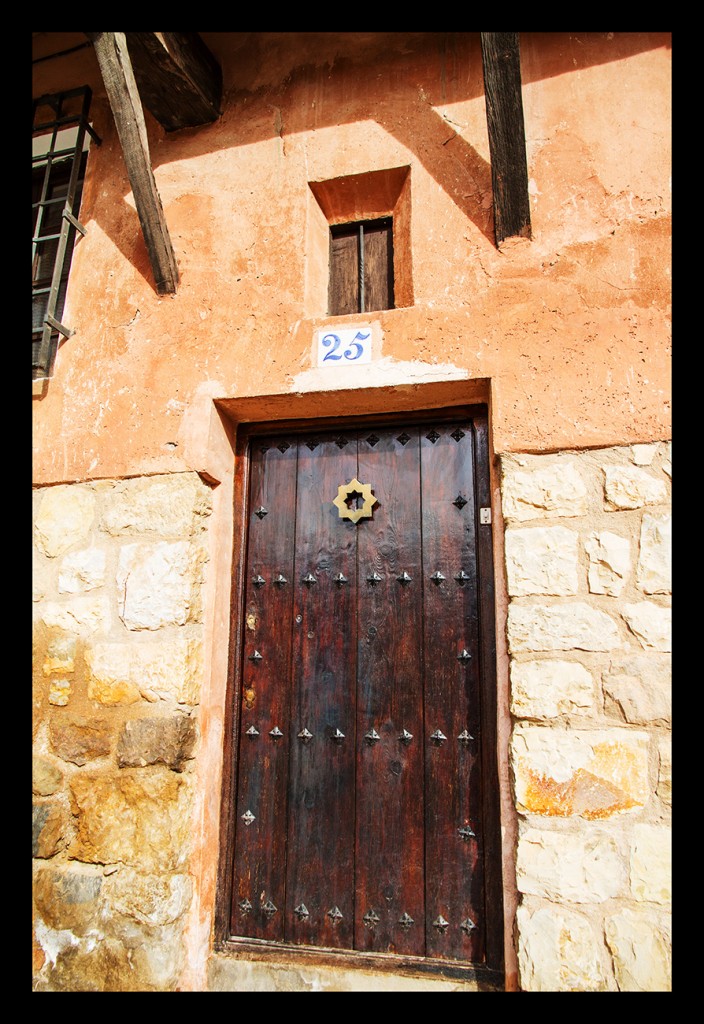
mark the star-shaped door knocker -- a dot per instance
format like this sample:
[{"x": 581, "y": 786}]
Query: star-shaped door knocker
[{"x": 348, "y": 499}]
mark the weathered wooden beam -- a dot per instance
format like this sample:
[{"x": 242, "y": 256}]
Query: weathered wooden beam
[
  {"x": 179, "y": 79},
  {"x": 507, "y": 140},
  {"x": 116, "y": 69}
]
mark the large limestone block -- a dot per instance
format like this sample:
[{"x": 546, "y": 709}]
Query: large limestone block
[
  {"x": 49, "y": 828},
  {"x": 158, "y": 584},
  {"x": 136, "y": 816},
  {"x": 110, "y": 678},
  {"x": 560, "y": 627},
  {"x": 170, "y": 506},
  {"x": 546, "y": 689},
  {"x": 532, "y": 489},
  {"x": 64, "y": 518},
  {"x": 542, "y": 560},
  {"x": 68, "y": 899},
  {"x": 640, "y": 687},
  {"x": 149, "y": 899},
  {"x": 46, "y": 777},
  {"x": 590, "y": 773},
  {"x": 654, "y": 573},
  {"x": 587, "y": 867},
  {"x": 82, "y": 570},
  {"x": 651, "y": 623},
  {"x": 168, "y": 741},
  {"x": 631, "y": 487},
  {"x": 609, "y": 562},
  {"x": 79, "y": 615},
  {"x": 558, "y": 951},
  {"x": 651, "y": 864},
  {"x": 153, "y": 670},
  {"x": 168, "y": 669},
  {"x": 80, "y": 740},
  {"x": 641, "y": 947}
]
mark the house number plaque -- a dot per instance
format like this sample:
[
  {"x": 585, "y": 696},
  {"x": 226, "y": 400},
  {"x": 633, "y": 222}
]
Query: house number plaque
[{"x": 345, "y": 347}]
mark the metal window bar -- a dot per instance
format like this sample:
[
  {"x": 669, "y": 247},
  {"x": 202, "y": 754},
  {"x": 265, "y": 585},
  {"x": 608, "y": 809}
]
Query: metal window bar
[{"x": 46, "y": 338}]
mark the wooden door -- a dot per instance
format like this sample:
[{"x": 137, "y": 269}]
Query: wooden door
[{"x": 361, "y": 809}]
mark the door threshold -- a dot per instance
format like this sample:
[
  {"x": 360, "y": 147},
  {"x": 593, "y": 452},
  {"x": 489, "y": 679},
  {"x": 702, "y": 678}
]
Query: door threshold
[{"x": 243, "y": 965}]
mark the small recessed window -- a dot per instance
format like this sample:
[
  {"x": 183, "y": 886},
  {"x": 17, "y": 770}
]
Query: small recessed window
[{"x": 361, "y": 267}]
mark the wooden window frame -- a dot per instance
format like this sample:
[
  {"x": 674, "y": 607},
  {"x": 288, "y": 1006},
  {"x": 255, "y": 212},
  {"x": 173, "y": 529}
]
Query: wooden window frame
[{"x": 361, "y": 267}]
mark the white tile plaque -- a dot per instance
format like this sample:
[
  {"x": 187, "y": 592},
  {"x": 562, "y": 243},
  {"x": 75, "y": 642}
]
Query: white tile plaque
[{"x": 349, "y": 346}]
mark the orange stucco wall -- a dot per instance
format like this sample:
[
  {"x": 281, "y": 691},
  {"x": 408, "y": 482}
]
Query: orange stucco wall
[{"x": 568, "y": 333}]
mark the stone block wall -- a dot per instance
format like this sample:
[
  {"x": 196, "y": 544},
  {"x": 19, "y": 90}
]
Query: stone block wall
[
  {"x": 119, "y": 568},
  {"x": 588, "y": 575}
]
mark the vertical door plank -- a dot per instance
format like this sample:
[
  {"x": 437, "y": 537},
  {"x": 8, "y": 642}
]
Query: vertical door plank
[
  {"x": 321, "y": 786},
  {"x": 454, "y": 897},
  {"x": 260, "y": 847},
  {"x": 389, "y": 845}
]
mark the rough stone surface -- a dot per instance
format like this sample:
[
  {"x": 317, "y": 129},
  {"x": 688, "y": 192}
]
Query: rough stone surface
[
  {"x": 168, "y": 669},
  {"x": 641, "y": 947},
  {"x": 566, "y": 627},
  {"x": 68, "y": 899},
  {"x": 60, "y": 655},
  {"x": 643, "y": 454},
  {"x": 150, "y": 899},
  {"x": 533, "y": 491},
  {"x": 95, "y": 964},
  {"x": 591, "y": 773},
  {"x": 82, "y": 570},
  {"x": 168, "y": 741},
  {"x": 139, "y": 817},
  {"x": 48, "y": 829},
  {"x": 80, "y": 740},
  {"x": 59, "y": 692},
  {"x": 609, "y": 562},
  {"x": 546, "y": 689},
  {"x": 664, "y": 786},
  {"x": 651, "y": 864},
  {"x": 46, "y": 776},
  {"x": 109, "y": 666},
  {"x": 78, "y": 615},
  {"x": 640, "y": 688},
  {"x": 559, "y": 951},
  {"x": 632, "y": 487},
  {"x": 65, "y": 517},
  {"x": 654, "y": 573},
  {"x": 542, "y": 561},
  {"x": 156, "y": 582},
  {"x": 587, "y": 867},
  {"x": 651, "y": 623},
  {"x": 175, "y": 505}
]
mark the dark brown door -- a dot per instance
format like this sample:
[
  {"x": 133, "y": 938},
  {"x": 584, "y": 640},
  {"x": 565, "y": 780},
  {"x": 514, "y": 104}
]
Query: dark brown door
[{"x": 360, "y": 808}]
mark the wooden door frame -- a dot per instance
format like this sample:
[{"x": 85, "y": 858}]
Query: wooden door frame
[{"x": 247, "y": 948}]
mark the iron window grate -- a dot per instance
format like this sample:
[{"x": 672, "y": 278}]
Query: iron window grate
[{"x": 59, "y": 129}]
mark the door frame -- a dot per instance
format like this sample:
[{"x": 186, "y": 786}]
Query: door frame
[{"x": 493, "y": 970}]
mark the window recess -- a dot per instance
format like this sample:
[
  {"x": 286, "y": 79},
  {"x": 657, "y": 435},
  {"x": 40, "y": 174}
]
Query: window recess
[
  {"x": 60, "y": 137},
  {"x": 361, "y": 267}
]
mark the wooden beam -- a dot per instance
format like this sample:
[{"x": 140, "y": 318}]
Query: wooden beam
[
  {"x": 179, "y": 79},
  {"x": 507, "y": 141},
  {"x": 116, "y": 70}
]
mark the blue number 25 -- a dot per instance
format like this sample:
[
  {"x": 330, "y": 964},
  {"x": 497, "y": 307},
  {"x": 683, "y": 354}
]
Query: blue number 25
[{"x": 353, "y": 352}]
